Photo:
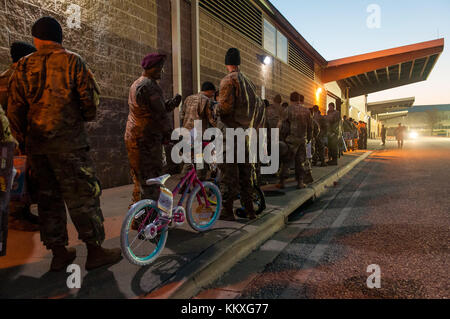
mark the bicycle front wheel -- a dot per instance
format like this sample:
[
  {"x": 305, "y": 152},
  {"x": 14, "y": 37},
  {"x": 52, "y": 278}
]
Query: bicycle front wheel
[
  {"x": 140, "y": 240},
  {"x": 203, "y": 211}
]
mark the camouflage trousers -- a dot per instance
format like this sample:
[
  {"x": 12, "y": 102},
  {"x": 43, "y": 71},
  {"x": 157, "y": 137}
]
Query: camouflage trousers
[
  {"x": 319, "y": 150},
  {"x": 297, "y": 151},
  {"x": 146, "y": 161},
  {"x": 69, "y": 178},
  {"x": 333, "y": 147},
  {"x": 237, "y": 178}
]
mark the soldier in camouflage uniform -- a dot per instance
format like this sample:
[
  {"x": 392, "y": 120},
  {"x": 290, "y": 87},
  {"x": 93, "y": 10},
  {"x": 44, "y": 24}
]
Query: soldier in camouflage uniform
[
  {"x": 52, "y": 94},
  {"x": 199, "y": 107},
  {"x": 20, "y": 214},
  {"x": 239, "y": 107},
  {"x": 18, "y": 51},
  {"x": 309, "y": 163},
  {"x": 319, "y": 147},
  {"x": 5, "y": 132},
  {"x": 297, "y": 120},
  {"x": 148, "y": 127},
  {"x": 334, "y": 132}
]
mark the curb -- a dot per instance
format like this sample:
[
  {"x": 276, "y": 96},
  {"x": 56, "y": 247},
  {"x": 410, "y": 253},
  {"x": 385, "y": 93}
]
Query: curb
[{"x": 218, "y": 259}]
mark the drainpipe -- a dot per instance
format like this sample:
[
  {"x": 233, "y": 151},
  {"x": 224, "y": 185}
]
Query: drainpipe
[
  {"x": 176, "y": 55},
  {"x": 195, "y": 39}
]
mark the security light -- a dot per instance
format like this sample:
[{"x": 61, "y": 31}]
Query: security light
[{"x": 264, "y": 59}]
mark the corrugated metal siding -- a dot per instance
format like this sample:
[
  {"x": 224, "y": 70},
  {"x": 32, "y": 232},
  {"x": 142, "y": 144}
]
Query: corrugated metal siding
[
  {"x": 239, "y": 14},
  {"x": 301, "y": 61}
]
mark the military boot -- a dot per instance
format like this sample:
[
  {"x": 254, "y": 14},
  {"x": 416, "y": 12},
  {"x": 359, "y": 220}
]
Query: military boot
[
  {"x": 300, "y": 184},
  {"x": 308, "y": 178},
  {"x": 62, "y": 257},
  {"x": 281, "y": 184},
  {"x": 99, "y": 256},
  {"x": 248, "y": 204},
  {"x": 227, "y": 211}
]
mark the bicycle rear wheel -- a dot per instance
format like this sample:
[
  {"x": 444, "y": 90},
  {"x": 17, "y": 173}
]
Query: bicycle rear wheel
[
  {"x": 140, "y": 240},
  {"x": 259, "y": 202},
  {"x": 202, "y": 212}
]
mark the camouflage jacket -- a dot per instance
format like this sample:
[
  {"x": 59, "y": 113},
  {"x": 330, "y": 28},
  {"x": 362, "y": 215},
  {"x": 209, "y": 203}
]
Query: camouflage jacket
[
  {"x": 149, "y": 113},
  {"x": 334, "y": 123},
  {"x": 323, "y": 124},
  {"x": 299, "y": 124},
  {"x": 5, "y": 132},
  {"x": 273, "y": 115},
  {"x": 5, "y": 77},
  {"x": 197, "y": 107},
  {"x": 52, "y": 94},
  {"x": 239, "y": 105}
]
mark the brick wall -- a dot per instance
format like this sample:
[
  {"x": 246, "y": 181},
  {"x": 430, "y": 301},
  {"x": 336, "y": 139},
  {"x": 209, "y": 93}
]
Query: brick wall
[
  {"x": 113, "y": 38},
  {"x": 278, "y": 78}
]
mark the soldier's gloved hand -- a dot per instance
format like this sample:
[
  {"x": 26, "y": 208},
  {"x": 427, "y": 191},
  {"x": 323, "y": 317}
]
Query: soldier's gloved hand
[{"x": 176, "y": 100}]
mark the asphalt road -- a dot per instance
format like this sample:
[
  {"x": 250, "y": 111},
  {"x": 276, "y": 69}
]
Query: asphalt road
[{"x": 391, "y": 212}]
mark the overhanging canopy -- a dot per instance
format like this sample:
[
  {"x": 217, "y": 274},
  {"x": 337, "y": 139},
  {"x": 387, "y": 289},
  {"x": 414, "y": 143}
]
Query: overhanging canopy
[
  {"x": 390, "y": 106},
  {"x": 382, "y": 70}
]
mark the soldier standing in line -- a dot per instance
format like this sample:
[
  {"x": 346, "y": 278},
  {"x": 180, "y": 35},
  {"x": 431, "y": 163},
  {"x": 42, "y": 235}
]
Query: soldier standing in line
[
  {"x": 148, "y": 127},
  {"x": 18, "y": 51},
  {"x": 334, "y": 125},
  {"x": 319, "y": 154},
  {"x": 20, "y": 213},
  {"x": 199, "y": 107},
  {"x": 298, "y": 123},
  {"x": 52, "y": 94},
  {"x": 239, "y": 107}
]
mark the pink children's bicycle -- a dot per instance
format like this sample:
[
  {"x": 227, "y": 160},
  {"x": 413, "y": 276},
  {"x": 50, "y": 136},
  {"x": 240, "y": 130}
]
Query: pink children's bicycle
[{"x": 145, "y": 228}]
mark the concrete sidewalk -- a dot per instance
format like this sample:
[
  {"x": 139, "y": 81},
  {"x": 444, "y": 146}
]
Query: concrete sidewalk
[{"x": 189, "y": 261}]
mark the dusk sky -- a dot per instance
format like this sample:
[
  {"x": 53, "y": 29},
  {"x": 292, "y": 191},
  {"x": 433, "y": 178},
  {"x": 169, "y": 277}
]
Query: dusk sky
[{"x": 338, "y": 29}]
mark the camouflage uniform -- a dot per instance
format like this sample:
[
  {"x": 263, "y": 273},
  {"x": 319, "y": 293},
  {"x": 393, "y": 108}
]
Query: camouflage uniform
[
  {"x": 52, "y": 94},
  {"x": 147, "y": 126},
  {"x": 273, "y": 115},
  {"x": 197, "y": 107},
  {"x": 299, "y": 122},
  {"x": 334, "y": 133},
  {"x": 314, "y": 142},
  {"x": 4, "y": 85},
  {"x": 239, "y": 107},
  {"x": 5, "y": 132},
  {"x": 319, "y": 149}
]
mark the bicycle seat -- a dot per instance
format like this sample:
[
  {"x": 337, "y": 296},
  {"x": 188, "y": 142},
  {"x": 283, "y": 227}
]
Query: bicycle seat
[{"x": 158, "y": 181}]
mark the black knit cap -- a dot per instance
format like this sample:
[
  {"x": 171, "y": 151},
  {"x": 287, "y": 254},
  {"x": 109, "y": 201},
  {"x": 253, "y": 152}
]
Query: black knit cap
[
  {"x": 233, "y": 57},
  {"x": 47, "y": 28},
  {"x": 21, "y": 49},
  {"x": 208, "y": 86}
]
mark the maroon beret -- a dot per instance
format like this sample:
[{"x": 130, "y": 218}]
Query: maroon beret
[{"x": 152, "y": 59}]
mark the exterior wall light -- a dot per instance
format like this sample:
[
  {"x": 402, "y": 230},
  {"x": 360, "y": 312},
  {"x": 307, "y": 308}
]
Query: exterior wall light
[{"x": 264, "y": 59}]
